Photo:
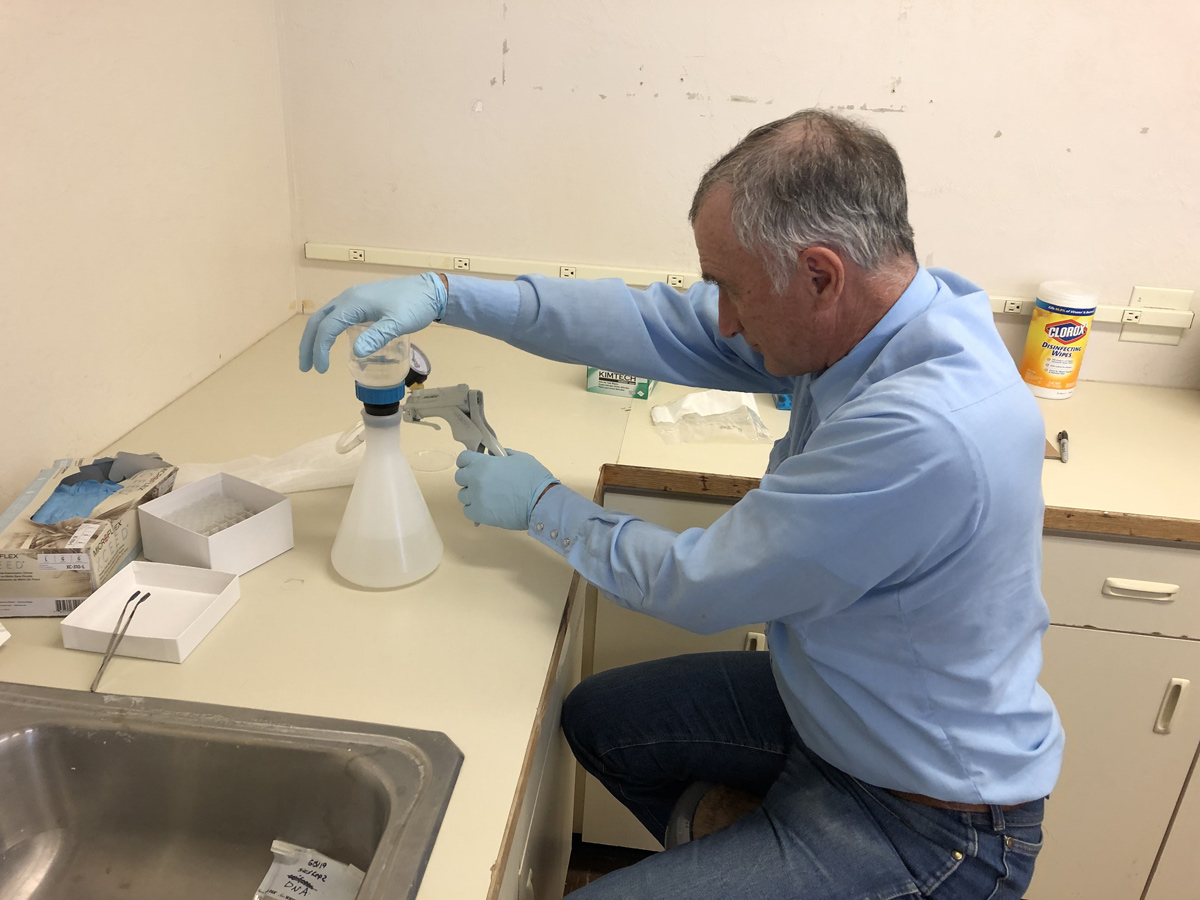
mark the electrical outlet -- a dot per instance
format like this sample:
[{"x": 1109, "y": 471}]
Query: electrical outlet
[
  {"x": 1013, "y": 306},
  {"x": 675, "y": 281},
  {"x": 462, "y": 263},
  {"x": 358, "y": 255},
  {"x": 1154, "y": 298},
  {"x": 566, "y": 271},
  {"x": 1131, "y": 316}
]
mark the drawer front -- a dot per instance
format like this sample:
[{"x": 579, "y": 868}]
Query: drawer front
[{"x": 1122, "y": 586}]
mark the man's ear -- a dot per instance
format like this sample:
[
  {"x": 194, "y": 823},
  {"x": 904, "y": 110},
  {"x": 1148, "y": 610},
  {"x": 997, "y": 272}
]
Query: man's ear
[{"x": 823, "y": 273}]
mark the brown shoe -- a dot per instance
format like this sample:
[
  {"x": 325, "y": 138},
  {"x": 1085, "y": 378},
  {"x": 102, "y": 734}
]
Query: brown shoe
[
  {"x": 720, "y": 808},
  {"x": 705, "y": 808}
]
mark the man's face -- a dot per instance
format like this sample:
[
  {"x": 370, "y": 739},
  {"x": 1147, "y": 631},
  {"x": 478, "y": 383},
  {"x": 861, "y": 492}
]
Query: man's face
[{"x": 788, "y": 329}]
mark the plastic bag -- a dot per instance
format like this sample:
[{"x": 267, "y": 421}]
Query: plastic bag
[
  {"x": 309, "y": 467},
  {"x": 710, "y": 416}
]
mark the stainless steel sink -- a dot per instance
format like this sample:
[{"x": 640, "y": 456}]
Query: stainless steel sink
[{"x": 103, "y": 796}]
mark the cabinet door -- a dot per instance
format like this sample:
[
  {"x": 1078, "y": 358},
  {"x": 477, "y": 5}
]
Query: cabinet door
[
  {"x": 1120, "y": 781},
  {"x": 1178, "y": 874},
  {"x": 537, "y": 860},
  {"x": 622, "y": 637}
]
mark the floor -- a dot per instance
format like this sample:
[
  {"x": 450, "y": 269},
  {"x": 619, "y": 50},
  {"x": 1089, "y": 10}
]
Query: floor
[{"x": 590, "y": 861}]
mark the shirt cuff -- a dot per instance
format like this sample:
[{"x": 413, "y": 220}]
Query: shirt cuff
[
  {"x": 478, "y": 304},
  {"x": 559, "y": 519}
]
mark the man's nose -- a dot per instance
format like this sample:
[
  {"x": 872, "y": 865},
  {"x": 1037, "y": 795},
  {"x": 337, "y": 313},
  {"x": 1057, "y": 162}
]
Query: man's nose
[{"x": 727, "y": 320}]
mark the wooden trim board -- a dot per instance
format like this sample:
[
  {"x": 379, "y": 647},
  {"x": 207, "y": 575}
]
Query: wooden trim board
[
  {"x": 1101, "y": 522},
  {"x": 1057, "y": 518}
]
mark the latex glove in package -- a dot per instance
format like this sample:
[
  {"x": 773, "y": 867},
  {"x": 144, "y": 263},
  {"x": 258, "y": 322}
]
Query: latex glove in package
[
  {"x": 298, "y": 872},
  {"x": 710, "y": 416}
]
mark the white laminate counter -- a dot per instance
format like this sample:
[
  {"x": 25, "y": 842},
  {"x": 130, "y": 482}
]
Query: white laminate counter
[
  {"x": 1133, "y": 449},
  {"x": 467, "y": 650}
]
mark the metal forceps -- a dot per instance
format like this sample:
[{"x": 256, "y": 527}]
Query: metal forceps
[{"x": 119, "y": 633}]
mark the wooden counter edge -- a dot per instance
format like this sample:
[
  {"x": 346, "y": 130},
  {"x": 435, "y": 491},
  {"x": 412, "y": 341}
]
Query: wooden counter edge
[
  {"x": 1057, "y": 518},
  {"x": 1117, "y": 524},
  {"x": 699, "y": 485}
]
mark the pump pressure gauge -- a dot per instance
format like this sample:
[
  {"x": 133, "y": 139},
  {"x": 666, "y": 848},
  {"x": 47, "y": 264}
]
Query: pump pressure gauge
[{"x": 418, "y": 367}]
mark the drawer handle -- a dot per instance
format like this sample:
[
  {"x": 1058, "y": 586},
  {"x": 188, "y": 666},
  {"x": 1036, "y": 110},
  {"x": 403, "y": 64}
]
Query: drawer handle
[
  {"x": 1170, "y": 705},
  {"x": 1129, "y": 589},
  {"x": 755, "y": 640}
]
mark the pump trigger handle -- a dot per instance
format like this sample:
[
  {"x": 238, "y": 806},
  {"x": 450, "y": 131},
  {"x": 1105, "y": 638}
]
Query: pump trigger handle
[{"x": 462, "y": 408}]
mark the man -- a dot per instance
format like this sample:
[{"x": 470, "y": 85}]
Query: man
[{"x": 896, "y": 729}]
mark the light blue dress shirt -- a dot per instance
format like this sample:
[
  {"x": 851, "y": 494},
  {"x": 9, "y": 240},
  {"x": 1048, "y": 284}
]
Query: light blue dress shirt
[{"x": 893, "y": 548}]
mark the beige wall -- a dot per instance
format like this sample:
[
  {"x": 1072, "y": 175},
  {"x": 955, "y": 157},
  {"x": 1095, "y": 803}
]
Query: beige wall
[
  {"x": 1042, "y": 140},
  {"x": 149, "y": 232},
  {"x": 144, "y": 212}
]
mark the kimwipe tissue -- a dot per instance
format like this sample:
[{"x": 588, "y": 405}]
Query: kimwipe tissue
[{"x": 710, "y": 416}]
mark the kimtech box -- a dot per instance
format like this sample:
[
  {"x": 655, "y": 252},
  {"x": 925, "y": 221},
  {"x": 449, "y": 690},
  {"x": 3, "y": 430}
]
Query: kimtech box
[
  {"x": 48, "y": 570},
  {"x": 602, "y": 381}
]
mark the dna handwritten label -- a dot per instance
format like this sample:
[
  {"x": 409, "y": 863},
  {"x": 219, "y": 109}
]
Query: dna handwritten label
[{"x": 299, "y": 872}]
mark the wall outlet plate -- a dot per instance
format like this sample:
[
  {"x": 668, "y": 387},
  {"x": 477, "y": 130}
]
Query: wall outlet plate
[{"x": 1156, "y": 298}]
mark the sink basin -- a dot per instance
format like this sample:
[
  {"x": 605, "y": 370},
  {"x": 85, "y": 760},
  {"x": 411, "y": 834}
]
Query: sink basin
[{"x": 104, "y": 796}]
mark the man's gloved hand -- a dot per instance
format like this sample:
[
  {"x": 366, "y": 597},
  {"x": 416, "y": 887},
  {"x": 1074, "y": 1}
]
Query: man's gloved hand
[
  {"x": 397, "y": 306},
  {"x": 501, "y": 490}
]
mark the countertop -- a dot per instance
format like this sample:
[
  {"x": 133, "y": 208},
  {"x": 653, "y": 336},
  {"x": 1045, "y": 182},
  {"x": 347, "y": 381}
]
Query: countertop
[
  {"x": 1133, "y": 449},
  {"x": 466, "y": 651},
  {"x": 1132, "y": 453}
]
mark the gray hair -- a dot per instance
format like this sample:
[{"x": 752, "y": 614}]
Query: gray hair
[{"x": 814, "y": 179}]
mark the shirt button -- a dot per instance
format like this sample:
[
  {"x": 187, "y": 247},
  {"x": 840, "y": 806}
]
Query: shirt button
[
  {"x": 566, "y": 542},
  {"x": 540, "y": 526},
  {"x": 554, "y": 534},
  {"x": 956, "y": 854}
]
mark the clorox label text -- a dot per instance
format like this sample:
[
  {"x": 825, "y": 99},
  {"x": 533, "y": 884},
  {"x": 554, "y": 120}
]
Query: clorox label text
[{"x": 1067, "y": 332}]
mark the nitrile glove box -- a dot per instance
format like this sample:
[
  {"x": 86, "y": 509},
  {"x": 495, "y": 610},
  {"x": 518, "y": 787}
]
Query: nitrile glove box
[
  {"x": 238, "y": 548},
  {"x": 48, "y": 570}
]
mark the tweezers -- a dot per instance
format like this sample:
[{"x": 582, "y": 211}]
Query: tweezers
[{"x": 119, "y": 633}]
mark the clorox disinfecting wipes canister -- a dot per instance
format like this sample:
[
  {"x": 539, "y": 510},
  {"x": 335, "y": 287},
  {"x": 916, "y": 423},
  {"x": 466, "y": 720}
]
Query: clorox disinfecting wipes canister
[{"x": 1058, "y": 334}]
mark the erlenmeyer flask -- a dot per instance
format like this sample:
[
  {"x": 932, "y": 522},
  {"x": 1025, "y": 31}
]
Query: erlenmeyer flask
[{"x": 387, "y": 537}]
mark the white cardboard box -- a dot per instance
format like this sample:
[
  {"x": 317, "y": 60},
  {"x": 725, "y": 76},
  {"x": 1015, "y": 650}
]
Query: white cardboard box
[
  {"x": 184, "y": 605},
  {"x": 239, "y": 548}
]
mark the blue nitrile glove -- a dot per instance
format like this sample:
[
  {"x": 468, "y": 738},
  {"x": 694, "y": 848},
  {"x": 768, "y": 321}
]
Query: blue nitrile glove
[
  {"x": 397, "y": 306},
  {"x": 501, "y": 490}
]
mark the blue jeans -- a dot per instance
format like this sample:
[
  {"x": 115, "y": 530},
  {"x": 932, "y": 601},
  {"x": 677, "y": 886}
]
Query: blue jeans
[{"x": 648, "y": 731}]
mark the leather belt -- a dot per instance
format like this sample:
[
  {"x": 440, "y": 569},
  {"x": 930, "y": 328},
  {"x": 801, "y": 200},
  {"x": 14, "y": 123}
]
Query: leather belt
[{"x": 946, "y": 804}]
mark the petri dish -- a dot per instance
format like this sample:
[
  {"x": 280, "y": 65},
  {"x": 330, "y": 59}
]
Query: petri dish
[{"x": 431, "y": 460}]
